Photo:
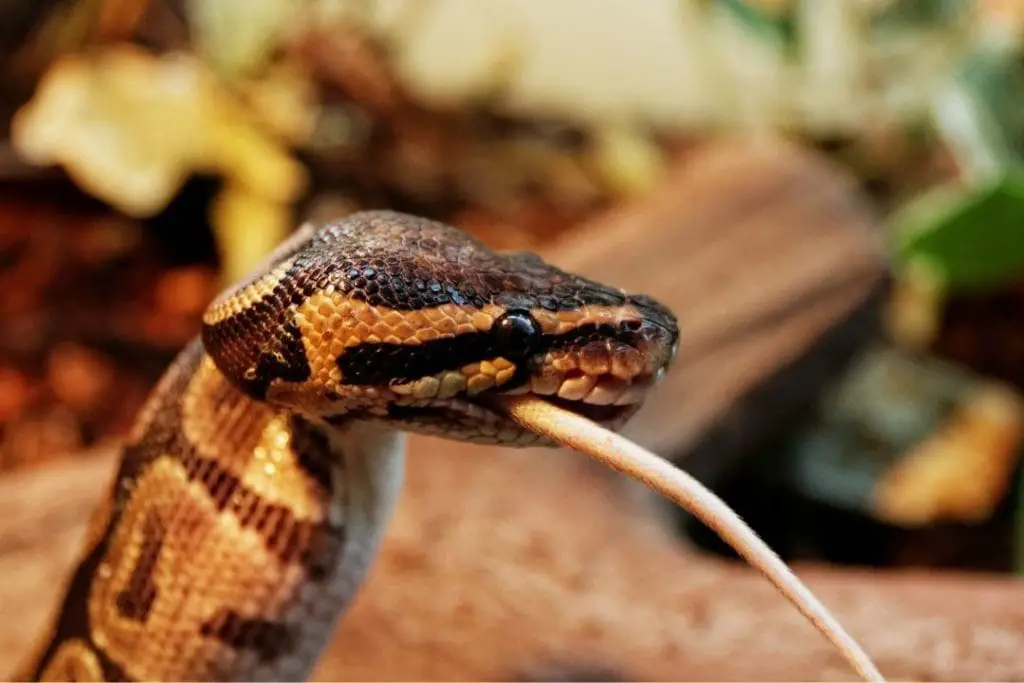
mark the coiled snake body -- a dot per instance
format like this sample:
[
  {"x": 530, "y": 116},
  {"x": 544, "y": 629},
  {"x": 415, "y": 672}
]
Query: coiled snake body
[{"x": 259, "y": 477}]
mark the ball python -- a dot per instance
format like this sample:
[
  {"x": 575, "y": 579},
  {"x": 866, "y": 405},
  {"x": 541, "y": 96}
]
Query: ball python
[{"x": 258, "y": 478}]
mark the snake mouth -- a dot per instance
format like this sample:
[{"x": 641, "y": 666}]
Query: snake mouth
[
  {"x": 480, "y": 414},
  {"x": 605, "y": 400}
]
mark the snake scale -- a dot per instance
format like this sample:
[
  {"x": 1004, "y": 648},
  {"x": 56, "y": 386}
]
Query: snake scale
[{"x": 257, "y": 481}]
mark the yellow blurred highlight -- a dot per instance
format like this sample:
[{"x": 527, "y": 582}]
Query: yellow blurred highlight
[
  {"x": 130, "y": 128},
  {"x": 247, "y": 227}
]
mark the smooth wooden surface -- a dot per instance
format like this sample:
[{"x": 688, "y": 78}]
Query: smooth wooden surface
[{"x": 516, "y": 564}]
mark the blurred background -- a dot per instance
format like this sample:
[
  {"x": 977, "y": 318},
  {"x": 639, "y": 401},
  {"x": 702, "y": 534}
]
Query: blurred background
[{"x": 829, "y": 193}]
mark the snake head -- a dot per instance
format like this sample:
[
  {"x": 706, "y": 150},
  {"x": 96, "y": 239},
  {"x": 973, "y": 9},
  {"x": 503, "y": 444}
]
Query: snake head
[{"x": 391, "y": 317}]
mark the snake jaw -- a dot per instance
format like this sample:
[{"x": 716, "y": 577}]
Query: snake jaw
[
  {"x": 605, "y": 377},
  {"x": 608, "y": 400},
  {"x": 605, "y": 399}
]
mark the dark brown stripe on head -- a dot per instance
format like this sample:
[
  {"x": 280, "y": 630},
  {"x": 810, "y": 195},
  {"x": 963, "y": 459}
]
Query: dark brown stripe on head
[
  {"x": 136, "y": 600},
  {"x": 379, "y": 364},
  {"x": 268, "y": 639},
  {"x": 629, "y": 332}
]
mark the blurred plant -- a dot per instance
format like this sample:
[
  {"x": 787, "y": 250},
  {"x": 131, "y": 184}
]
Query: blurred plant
[
  {"x": 33, "y": 34},
  {"x": 831, "y": 68},
  {"x": 812, "y": 66},
  {"x": 130, "y": 128},
  {"x": 968, "y": 234},
  {"x": 236, "y": 38},
  {"x": 909, "y": 441}
]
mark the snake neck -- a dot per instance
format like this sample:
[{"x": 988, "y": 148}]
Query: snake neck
[{"x": 231, "y": 542}]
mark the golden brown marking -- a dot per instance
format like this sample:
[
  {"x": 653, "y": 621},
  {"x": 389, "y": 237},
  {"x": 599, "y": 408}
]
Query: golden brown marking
[
  {"x": 247, "y": 296},
  {"x": 563, "y": 322},
  {"x": 472, "y": 378},
  {"x": 136, "y": 600},
  {"x": 330, "y": 322},
  {"x": 236, "y": 299},
  {"x": 74, "y": 661},
  {"x": 213, "y": 419},
  {"x": 268, "y": 639},
  {"x": 250, "y": 440},
  {"x": 205, "y": 531},
  {"x": 200, "y": 544}
]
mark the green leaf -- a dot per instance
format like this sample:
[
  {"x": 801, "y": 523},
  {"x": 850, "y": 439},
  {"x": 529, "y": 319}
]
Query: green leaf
[{"x": 969, "y": 237}]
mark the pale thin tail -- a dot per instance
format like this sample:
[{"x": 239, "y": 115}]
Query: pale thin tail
[{"x": 576, "y": 432}]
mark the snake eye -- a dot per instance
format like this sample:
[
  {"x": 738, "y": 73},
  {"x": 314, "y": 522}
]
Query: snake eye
[{"x": 516, "y": 334}]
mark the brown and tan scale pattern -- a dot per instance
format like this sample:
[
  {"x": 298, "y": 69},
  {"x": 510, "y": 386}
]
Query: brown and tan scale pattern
[
  {"x": 260, "y": 475},
  {"x": 267, "y": 275},
  {"x": 247, "y": 296},
  {"x": 565, "y": 321},
  {"x": 331, "y": 322},
  {"x": 223, "y": 563}
]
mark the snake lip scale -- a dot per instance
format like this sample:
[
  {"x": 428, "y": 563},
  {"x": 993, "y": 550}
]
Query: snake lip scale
[{"x": 258, "y": 479}]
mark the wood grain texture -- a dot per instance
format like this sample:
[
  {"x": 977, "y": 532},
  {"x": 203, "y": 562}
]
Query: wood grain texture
[{"x": 499, "y": 563}]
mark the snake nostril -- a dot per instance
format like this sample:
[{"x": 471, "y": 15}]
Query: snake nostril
[{"x": 654, "y": 311}]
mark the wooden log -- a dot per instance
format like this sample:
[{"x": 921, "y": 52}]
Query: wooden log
[{"x": 508, "y": 565}]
